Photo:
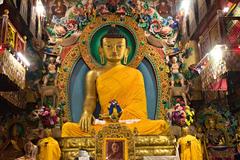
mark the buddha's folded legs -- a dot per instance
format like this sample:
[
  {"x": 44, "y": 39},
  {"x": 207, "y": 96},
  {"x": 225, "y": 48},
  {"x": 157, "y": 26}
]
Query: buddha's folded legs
[
  {"x": 150, "y": 127},
  {"x": 71, "y": 129},
  {"x": 144, "y": 127}
]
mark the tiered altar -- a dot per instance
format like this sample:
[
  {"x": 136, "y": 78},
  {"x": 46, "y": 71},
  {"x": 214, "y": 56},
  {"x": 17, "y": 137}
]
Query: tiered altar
[{"x": 140, "y": 146}]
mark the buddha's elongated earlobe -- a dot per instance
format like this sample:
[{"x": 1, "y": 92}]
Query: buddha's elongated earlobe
[
  {"x": 125, "y": 58},
  {"x": 101, "y": 54},
  {"x": 102, "y": 59}
]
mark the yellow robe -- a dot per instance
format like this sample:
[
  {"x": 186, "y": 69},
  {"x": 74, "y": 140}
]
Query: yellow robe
[
  {"x": 126, "y": 85},
  {"x": 190, "y": 148},
  {"x": 49, "y": 149}
]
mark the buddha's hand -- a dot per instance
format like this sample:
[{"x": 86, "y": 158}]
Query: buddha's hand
[{"x": 86, "y": 121}]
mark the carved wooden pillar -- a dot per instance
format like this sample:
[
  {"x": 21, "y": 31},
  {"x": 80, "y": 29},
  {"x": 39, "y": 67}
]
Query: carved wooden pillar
[{"x": 4, "y": 26}]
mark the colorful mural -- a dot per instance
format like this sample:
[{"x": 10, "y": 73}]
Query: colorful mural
[{"x": 69, "y": 18}]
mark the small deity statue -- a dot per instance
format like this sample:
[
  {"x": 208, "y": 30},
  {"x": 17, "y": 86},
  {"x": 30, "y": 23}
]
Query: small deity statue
[
  {"x": 31, "y": 151},
  {"x": 237, "y": 155},
  {"x": 51, "y": 69},
  {"x": 34, "y": 115},
  {"x": 214, "y": 136},
  {"x": 237, "y": 136},
  {"x": 59, "y": 8},
  {"x": 175, "y": 70},
  {"x": 201, "y": 137},
  {"x": 114, "y": 112},
  {"x": 112, "y": 5},
  {"x": 163, "y": 8},
  {"x": 13, "y": 145},
  {"x": 16, "y": 137},
  {"x": 190, "y": 147},
  {"x": 200, "y": 134}
]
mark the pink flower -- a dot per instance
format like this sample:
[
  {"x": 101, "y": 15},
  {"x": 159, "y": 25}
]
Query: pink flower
[
  {"x": 60, "y": 30},
  {"x": 49, "y": 116},
  {"x": 178, "y": 100},
  {"x": 182, "y": 121},
  {"x": 184, "y": 114},
  {"x": 176, "y": 107},
  {"x": 72, "y": 25},
  {"x": 45, "y": 113},
  {"x": 51, "y": 122},
  {"x": 182, "y": 103},
  {"x": 184, "y": 107}
]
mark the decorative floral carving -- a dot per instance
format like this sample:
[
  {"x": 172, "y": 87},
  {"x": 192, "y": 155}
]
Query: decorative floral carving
[
  {"x": 115, "y": 131},
  {"x": 12, "y": 69}
]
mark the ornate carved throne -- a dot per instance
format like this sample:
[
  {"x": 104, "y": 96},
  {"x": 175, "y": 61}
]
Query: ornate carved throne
[{"x": 84, "y": 56}]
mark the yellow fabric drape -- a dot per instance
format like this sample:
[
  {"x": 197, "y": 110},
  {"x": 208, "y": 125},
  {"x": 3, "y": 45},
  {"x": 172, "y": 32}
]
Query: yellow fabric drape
[
  {"x": 126, "y": 85},
  {"x": 190, "y": 148},
  {"x": 49, "y": 149}
]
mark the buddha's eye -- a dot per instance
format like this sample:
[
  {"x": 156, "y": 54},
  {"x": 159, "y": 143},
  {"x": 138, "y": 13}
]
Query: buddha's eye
[{"x": 119, "y": 46}]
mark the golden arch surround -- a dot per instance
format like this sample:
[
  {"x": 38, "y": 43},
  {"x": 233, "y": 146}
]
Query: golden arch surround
[{"x": 144, "y": 50}]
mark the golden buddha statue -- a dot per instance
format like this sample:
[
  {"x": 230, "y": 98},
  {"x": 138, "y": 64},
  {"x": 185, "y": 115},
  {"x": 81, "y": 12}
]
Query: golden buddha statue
[
  {"x": 115, "y": 81},
  {"x": 214, "y": 135},
  {"x": 237, "y": 136}
]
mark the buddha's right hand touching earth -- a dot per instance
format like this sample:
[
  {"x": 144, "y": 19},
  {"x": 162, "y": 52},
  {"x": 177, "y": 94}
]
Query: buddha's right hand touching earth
[{"x": 86, "y": 121}]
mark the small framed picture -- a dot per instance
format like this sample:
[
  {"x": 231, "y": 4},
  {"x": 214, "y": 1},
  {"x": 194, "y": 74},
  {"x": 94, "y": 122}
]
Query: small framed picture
[{"x": 115, "y": 149}]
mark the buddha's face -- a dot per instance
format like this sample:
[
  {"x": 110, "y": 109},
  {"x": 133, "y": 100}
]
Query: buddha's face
[{"x": 114, "y": 49}]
